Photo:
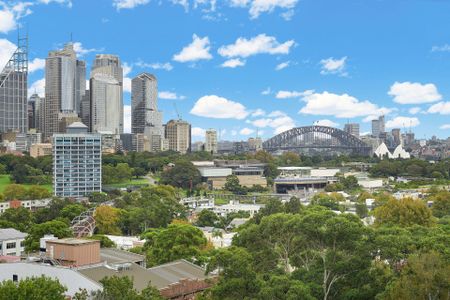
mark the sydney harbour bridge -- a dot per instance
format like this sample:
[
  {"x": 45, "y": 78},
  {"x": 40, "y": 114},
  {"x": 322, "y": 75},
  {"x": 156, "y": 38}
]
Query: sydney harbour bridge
[{"x": 321, "y": 140}]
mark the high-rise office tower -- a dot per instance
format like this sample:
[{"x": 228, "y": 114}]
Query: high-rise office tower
[
  {"x": 106, "y": 107},
  {"x": 85, "y": 110},
  {"x": 211, "y": 141},
  {"x": 80, "y": 84},
  {"x": 396, "y": 134},
  {"x": 77, "y": 162},
  {"x": 63, "y": 76},
  {"x": 145, "y": 117},
  {"x": 178, "y": 134},
  {"x": 378, "y": 126},
  {"x": 36, "y": 104},
  {"x": 13, "y": 90},
  {"x": 352, "y": 128},
  {"x": 107, "y": 72}
]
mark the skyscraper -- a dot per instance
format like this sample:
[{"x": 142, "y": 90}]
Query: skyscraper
[
  {"x": 63, "y": 77},
  {"x": 352, "y": 128},
  {"x": 178, "y": 134},
  {"x": 211, "y": 141},
  {"x": 106, "y": 107},
  {"x": 145, "y": 117},
  {"x": 378, "y": 126},
  {"x": 107, "y": 72},
  {"x": 77, "y": 162},
  {"x": 13, "y": 90},
  {"x": 80, "y": 84}
]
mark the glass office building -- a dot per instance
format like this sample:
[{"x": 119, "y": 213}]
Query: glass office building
[{"x": 77, "y": 162}]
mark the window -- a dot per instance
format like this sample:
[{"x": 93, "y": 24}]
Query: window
[{"x": 11, "y": 245}]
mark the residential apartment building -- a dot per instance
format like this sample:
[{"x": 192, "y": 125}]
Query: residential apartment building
[
  {"x": 77, "y": 162},
  {"x": 211, "y": 141},
  {"x": 11, "y": 242},
  {"x": 178, "y": 134}
]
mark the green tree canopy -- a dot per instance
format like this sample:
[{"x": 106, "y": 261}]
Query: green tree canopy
[
  {"x": 403, "y": 212},
  {"x": 34, "y": 288},
  {"x": 58, "y": 228}
]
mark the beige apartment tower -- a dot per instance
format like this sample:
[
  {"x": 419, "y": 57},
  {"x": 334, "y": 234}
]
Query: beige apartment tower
[{"x": 178, "y": 134}]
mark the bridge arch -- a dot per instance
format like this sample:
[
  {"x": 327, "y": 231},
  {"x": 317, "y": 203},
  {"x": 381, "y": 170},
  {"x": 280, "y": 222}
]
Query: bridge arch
[{"x": 316, "y": 137}]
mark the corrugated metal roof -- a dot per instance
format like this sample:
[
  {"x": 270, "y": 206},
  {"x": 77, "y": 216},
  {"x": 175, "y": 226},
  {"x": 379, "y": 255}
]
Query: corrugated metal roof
[{"x": 11, "y": 234}]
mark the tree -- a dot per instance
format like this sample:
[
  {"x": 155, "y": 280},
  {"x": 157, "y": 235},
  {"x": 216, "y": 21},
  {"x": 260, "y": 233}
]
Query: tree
[
  {"x": 58, "y": 228},
  {"x": 328, "y": 200},
  {"x": 282, "y": 287},
  {"x": 273, "y": 206},
  {"x": 34, "y": 288},
  {"x": 107, "y": 218},
  {"x": 183, "y": 175},
  {"x": 403, "y": 212},
  {"x": 349, "y": 182},
  {"x": 139, "y": 172},
  {"x": 105, "y": 242},
  {"x": 425, "y": 276},
  {"x": 293, "y": 206},
  {"x": 116, "y": 287},
  {"x": 208, "y": 218},
  {"x": 98, "y": 197},
  {"x": 123, "y": 172},
  {"x": 72, "y": 210},
  {"x": 15, "y": 191},
  {"x": 441, "y": 204},
  {"x": 238, "y": 279},
  {"x": 290, "y": 159},
  {"x": 20, "y": 217},
  {"x": 232, "y": 184},
  {"x": 2, "y": 169},
  {"x": 37, "y": 192},
  {"x": 177, "y": 241}
]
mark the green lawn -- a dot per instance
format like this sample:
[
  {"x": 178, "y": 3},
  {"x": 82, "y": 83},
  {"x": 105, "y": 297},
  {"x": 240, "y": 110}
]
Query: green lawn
[
  {"x": 5, "y": 180},
  {"x": 139, "y": 181}
]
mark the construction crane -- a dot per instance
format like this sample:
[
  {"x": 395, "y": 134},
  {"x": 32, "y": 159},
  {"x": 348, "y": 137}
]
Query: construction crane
[{"x": 176, "y": 110}]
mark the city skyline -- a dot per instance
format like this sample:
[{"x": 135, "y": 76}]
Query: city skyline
[{"x": 344, "y": 68}]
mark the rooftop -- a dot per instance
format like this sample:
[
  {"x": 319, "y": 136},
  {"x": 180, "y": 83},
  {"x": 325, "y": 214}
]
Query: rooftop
[
  {"x": 11, "y": 234},
  {"x": 116, "y": 256},
  {"x": 160, "y": 276},
  {"x": 73, "y": 241}
]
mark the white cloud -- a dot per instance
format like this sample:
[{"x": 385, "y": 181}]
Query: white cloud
[
  {"x": 277, "y": 120},
  {"x": 6, "y": 51},
  {"x": 184, "y": 3},
  {"x": 282, "y": 65},
  {"x": 212, "y": 106},
  {"x": 445, "y": 126},
  {"x": 442, "y": 108},
  {"x": 155, "y": 66},
  {"x": 81, "y": 51},
  {"x": 127, "y": 4},
  {"x": 68, "y": 2},
  {"x": 340, "y": 106},
  {"x": 197, "y": 50},
  {"x": 401, "y": 122},
  {"x": 234, "y": 132},
  {"x": 334, "y": 66},
  {"x": 326, "y": 122},
  {"x": 267, "y": 91},
  {"x": 170, "y": 95},
  {"x": 293, "y": 94},
  {"x": 7, "y": 20},
  {"x": 126, "y": 68},
  {"x": 233, "y": 63},
  {"x": 198, "y": 132},
  {"x": 414, "y": 93},
  {"x": 37, "y": 87},
  {"x": 246, "y": 131},
  {"x": 414, "y": 110},
  {"x": 258, "y": 113},
  {"x": 36, "y": 64},
  {"x": 257, "y": 7},
  {"x": 127, "y": 118},
  {"x": 443, "y": 48},
  {"x": 260, "y": 44}
]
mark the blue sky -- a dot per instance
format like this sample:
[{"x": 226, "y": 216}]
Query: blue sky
[{"x": 260, "y": 66}]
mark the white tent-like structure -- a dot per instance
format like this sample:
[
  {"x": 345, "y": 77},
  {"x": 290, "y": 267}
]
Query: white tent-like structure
[
  {"x": 382, "y": 152},
  {"x": 399, "y": 152}
]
